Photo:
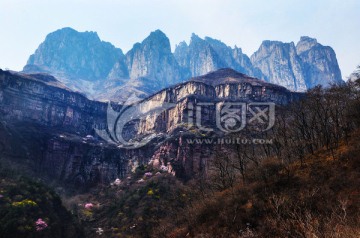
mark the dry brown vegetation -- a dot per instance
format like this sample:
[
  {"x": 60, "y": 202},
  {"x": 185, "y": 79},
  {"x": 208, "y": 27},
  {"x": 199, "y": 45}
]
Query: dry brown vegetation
[{"x": 305, "y": 184}]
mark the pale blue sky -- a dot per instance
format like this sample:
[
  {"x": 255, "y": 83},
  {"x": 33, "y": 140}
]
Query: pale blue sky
[{"x": 246, "y": 23}]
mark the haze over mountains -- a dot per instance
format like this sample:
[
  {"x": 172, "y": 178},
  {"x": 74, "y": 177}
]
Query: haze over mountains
[{"x": 84, "y": 63}]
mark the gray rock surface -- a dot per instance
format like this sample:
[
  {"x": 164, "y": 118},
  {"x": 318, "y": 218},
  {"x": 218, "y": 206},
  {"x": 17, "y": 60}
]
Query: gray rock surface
[
  {"x": 280, "y": 64},
  {"x": 52, "y": 128},
  {"x": 75, "y": 54},
  {"x": 84, "y": 63},
  {"x": 320, "y": 65},
  {"x": 152, "y": 58}
]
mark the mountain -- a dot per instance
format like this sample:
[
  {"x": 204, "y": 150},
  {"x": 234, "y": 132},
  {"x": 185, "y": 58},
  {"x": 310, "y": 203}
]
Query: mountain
[
  {"x": 84, "y": 63},
  {"x": 151, "y": 67},
  {"x": 199, "y": 57},
  {"x": 152, "y": 58},
  {"x": 244, "y": 61},
  {"x": 78, "y": 59},
  {"x": 320, "y": 65},
  {"x": 52, "y": 124},
  {"x": 280, "y": 64},
  {"x": 75, "y": 54},
  {"x": 202, "y": 56},
  {"x": 298, "y": 68}
]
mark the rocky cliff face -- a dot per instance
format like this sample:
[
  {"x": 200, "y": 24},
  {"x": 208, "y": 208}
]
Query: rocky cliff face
[
  {"x": 280, "y": 64},
  {"x": 202, "y": 56},
  {"x": 320, "y": 65},
  {"x": 31, "y": 98},
  {"x": 199, "y": 57},
  {"x": 151, "y": 67},
  {"x": 244, "y": 61},
  {"x": 297, "y": 68},
  {"x": 54, "y": 127},
  {"x": 177, "y": 153},
  {"x": 221, "y": 85},
  {"x": 50, "y": 130},
  {"x": 153, "y": 59}
]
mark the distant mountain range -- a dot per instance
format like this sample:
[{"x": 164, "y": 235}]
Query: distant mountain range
[{"x": 84, "y": 63}]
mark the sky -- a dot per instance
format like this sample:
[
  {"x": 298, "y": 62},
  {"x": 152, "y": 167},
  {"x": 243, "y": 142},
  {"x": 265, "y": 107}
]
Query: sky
[{"x": 246, "y": 23}]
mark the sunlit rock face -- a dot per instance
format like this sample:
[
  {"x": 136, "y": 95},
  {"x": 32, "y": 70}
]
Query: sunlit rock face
[
  {"x": 280, "y": 64},
  {"x": 320, "y": 65},
  {"x": 221, "y": 85},
  {"x": 55, "y": 127},
  {"x": 297, "y": 68},
  {"x": 153, "y": 59}
]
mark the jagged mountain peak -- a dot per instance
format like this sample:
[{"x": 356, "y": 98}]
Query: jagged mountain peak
[
  {"x": 205, "y": 55},
  {"x": 68, "y": 33},
  {"x": 280, "y": 64},
  {"x": 212, "y": 40},
  {"x": 71, "y": 54},
  {"x": 308, "y": 39},
  {"x": 217, "y": 44},
  {"x": 156, "y": 40},
  {"x": 196, "y": 39},
  {"x": 305, "y": 44},
  {"x": 153, "y": 59},
  {"x": 194, "y": 36},
  {"x": 239, "y": 49},
  {"x": 271, "y": 44},
  {"x": 181, "y": 44},
  {"x": 320, "y": 65},
  {"x": 82, "y": 59},
  {"x": 158, "y": 33},
  {"x": 267, "y": 43}
]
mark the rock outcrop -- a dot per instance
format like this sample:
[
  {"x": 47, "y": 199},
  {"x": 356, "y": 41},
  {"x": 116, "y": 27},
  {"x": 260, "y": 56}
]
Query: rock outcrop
[
  {"x": 280, "y": 65},
  {"x": 54, "y": 127},
  {"x": 151, "y": 67},
  {"x": 153, "y": 59},
  {"x": 199, "y": 57},
  {"x": 319, "y": 63}
]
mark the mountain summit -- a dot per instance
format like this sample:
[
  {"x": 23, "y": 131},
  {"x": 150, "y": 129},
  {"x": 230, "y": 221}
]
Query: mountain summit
[
  {"x": 152, "y": 58},
  {"x": 320, "y": 65},
  {"x": 84, "y": 63},
  {"x": 80, "y": 55},
  {"x": 280, "y": 64}
]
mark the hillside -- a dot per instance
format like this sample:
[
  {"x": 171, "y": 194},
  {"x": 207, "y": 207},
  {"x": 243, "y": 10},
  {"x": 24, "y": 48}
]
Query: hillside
[
  {"x": 304, "y": 184},
  {"x": 30, "y": 209},
  {"x": 318, "y": 198},
  {"x": 299, "y": 178}
]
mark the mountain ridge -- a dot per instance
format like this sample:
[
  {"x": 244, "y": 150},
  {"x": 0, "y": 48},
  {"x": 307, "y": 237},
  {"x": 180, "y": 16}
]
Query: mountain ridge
[{"x": 89, "y": 70}]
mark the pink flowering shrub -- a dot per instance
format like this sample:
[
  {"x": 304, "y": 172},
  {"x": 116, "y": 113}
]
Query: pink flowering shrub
[
  {"x": 148, "y": 174},
  {"x": 89, "y": 205},
  {"x": 140, "y": 181},
  {"x": 40, "y": 224}
]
